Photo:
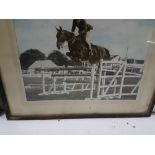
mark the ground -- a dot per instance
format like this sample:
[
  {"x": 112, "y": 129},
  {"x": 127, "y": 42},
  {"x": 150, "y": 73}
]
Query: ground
[{"x": 36, "y": 88}]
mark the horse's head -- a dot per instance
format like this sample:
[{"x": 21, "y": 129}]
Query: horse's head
[{"x": 61, "y": 38}]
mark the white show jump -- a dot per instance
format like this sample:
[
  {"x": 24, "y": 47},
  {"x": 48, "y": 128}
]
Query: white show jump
[
  {"x": 66, "y": 80},
  {"x": 107, "y": 82},
  {"x": 111, "y": 86}
]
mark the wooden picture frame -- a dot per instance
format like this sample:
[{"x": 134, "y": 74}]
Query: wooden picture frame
[
  {"x": 58, "y": 94},
  {"x": 1, "y": 101}
]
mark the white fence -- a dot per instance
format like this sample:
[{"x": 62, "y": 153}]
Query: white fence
[
  {"x": 69, "y": 80},
  {"x": 113, "y": 79},
  {"x": 123, "y": 76}
]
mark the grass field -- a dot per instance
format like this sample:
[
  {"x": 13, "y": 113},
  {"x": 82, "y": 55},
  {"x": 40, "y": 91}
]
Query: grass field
[{"x": 36, "y": 88}]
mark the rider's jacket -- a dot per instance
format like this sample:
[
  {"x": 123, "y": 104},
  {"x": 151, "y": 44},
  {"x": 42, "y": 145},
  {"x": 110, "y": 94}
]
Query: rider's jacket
[{"x": 82, "y": 25}]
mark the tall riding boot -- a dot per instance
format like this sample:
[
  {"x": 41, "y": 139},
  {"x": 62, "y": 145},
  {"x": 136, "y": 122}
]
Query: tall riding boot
[{"x": 90, "y": 50}]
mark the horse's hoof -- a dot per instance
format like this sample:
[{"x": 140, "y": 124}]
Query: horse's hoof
[{"x": 68, "y": 54}]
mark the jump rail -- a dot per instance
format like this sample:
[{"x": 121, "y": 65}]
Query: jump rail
[{"x": 106, "y": 82}]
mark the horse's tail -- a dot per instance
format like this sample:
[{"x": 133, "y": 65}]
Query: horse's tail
[
  {"x": 107, "y": 54},
  {"x": 113, "y": 56}
]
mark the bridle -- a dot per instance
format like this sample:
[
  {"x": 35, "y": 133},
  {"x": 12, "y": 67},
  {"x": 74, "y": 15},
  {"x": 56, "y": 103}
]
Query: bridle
[{"x": 72, "y": 40}]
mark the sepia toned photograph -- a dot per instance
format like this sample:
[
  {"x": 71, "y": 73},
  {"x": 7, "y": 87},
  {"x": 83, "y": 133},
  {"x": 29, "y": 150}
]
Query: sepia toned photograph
[
  {"x": 78, "y": 68},
  {"x": 64, "y": 59},
  {"x": 82, "y": 59}
]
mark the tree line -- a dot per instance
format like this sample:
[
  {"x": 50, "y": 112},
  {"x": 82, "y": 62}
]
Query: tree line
[{"x": 28, "y": 57}]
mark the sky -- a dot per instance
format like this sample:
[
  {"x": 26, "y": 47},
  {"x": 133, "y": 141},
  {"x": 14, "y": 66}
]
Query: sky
[{"x": 114, "y": 34}]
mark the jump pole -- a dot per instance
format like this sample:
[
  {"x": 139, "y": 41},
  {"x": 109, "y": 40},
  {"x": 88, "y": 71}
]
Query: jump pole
[
  {"x": 92, "y": 81},
  {"x": 99, "y": 79},
  {"x": 122, "y": 80},
  {"x": 43, "y": 83}
]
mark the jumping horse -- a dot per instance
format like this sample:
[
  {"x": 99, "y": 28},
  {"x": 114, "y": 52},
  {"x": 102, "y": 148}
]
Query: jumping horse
[{"x": 78, "y": 49}]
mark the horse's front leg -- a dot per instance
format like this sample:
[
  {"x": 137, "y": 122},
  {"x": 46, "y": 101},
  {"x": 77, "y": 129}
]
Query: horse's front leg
[
  {"x": 68, "y": 54},
  {"x": 76, "y": 54}
]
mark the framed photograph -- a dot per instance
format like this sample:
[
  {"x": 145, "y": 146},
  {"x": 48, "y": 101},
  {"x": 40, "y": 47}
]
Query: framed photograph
[
  {"x": 1, "y": 102},
  {"x": 2, "y": 98},
  {"x": 63, "y": 68}
]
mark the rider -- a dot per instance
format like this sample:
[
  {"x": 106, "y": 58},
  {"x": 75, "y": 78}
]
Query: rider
[{"x": 84, "y": 28}]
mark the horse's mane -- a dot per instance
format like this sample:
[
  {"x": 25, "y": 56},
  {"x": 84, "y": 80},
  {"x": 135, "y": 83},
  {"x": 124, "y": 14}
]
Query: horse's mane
[{"x": 71, "y": 33}]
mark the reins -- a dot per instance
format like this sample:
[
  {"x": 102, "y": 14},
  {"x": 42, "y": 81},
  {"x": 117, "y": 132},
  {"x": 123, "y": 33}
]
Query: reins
[{"x": 72, "y": 40}]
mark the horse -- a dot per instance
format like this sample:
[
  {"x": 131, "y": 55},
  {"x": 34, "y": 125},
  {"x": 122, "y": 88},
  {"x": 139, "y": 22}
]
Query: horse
[{"x": 78, "y": 49}]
